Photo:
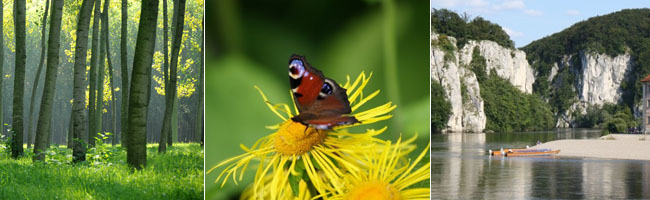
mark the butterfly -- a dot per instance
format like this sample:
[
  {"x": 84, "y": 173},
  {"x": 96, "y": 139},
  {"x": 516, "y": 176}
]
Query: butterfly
[{"x": 321, "y": 102}]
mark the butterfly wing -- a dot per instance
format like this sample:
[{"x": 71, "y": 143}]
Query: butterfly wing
[{"x": 321, "y": 101}]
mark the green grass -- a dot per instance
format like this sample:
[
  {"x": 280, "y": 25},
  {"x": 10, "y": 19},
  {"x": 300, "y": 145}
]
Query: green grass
[{"x": 178, "y": 174}]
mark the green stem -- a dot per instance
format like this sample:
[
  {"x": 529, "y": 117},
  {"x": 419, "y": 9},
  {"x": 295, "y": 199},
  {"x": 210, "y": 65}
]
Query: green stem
[
  {"x": 390, "y": 57},
  {"x": 229, "y": 26}
]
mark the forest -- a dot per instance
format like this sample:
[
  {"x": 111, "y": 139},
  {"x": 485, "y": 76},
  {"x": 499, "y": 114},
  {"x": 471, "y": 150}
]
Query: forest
[
  {"x": 84, "y": 89},
  {"x": 625, "y": 31},
  {"x": 464, "y": 28}
]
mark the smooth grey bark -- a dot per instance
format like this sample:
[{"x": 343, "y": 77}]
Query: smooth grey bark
[
  {"x": 136, "y": 149},
  {"x": 164, "y": 132},
  {"x": 198, "y": 129},
  {"x": 99, "y": 110},
  {"x": 176, "y": 44},
  {"x": 70, "y": 133},
  {"x": 37, "y": 78},
  {"x": 172, "y": 122},
  {"x": 19, "y": 79},
  {"x": 94, "y": 58},
  {"x": 49, "y": 86},
  {"x": 125, "y": 74},
  {"x": 110, "y": 69},
  {"x": 2, "y": 64},
  {"x": 79, "y": 96}
]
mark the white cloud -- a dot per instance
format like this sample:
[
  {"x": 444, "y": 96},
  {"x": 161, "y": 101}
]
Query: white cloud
[
  {"x": 510, "y": 4},
  {"x": 533, "y": 12},
  {"x": 512, "y": 33},
  {"x": 573, "y": 12}
]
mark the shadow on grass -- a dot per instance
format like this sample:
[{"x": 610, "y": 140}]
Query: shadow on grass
[{"x": 177, "y": 174}]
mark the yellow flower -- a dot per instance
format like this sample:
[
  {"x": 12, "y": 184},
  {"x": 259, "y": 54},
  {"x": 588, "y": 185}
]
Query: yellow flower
[
  {"x": 295, "y": 150},
  {"x": 303, "y": 192},
  {"x": 385, "y": 178}
]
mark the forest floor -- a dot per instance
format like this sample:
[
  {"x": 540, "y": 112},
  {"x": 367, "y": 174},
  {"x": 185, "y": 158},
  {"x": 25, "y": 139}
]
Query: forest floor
[{"x": 177, "y": 174}]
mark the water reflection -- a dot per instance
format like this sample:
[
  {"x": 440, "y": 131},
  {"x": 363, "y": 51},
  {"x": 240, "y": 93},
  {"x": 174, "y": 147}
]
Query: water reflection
[{"x": 461, "y": 169}]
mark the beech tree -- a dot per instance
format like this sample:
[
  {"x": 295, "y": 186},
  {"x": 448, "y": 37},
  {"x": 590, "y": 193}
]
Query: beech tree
[
  {"x": 94, "y": 58},
  {"x": 44, "y": 119},
  {"x": 19, "y": 79},
  {"x": 138, "y": 99},
  {"x": 124, "y": 73},
  {"x": 2, "y": 66},
  {"x": 177, "y": 27},
  {"x": 31, "y": 112},
  {"x": 79, "y": 100},
  {"x": 162, "y": 145}
]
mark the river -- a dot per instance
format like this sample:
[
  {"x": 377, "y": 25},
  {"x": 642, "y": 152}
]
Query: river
[{"x": 462, "y": 169}]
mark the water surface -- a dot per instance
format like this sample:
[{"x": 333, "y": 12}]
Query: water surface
[{"x": 461, "y": 169}]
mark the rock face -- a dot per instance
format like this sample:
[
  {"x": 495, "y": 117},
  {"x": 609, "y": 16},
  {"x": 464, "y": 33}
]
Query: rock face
[
  {"x": 510, "y": 64},
  {"x": 598, "y": 81},
  {"x": 474, "y": 118},
  {"x": 462, "y": 87},
  {"x": 600, "y": 77}
]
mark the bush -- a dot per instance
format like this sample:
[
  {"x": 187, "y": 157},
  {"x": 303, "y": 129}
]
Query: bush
[
  {"x": 478, "y": 65},
  {"x": 440, "y": 107},
  {"x": 507, "y": 109}
]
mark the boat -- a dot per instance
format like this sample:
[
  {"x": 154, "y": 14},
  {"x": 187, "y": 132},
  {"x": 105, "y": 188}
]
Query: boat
[
  {"x": 532, "y": 153},
  {"x": 504, "y": 152}
]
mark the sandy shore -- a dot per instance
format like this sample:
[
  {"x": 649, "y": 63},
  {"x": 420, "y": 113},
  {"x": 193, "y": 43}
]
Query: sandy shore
[{"x": 614, "y": 146}]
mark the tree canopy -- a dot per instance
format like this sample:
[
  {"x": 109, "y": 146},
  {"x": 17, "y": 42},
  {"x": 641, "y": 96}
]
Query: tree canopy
[
  {"x": 463, "y": 28},
  {"x": 625, "y": 31}
]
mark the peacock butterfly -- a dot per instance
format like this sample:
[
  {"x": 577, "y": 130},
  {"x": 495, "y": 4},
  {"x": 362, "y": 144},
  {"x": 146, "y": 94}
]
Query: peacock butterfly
[{"x": 321, "y": 102}]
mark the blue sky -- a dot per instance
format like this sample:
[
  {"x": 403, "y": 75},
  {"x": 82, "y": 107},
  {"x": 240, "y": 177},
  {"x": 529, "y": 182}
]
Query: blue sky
[{"x": 529, "y": 20}]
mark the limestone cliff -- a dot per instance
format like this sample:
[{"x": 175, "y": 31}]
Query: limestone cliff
[
  {"x": 600, "y": 77},
  {"x": 598, "y": 81},
  {"x": 449, "y": 68},
  {"x": 510, "y": 64}
]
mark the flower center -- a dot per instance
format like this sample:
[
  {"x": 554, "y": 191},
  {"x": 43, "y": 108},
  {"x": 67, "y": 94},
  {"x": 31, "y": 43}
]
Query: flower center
[
  {"x": 373, "y": 190},
  {"x": 294, "y": 138}
]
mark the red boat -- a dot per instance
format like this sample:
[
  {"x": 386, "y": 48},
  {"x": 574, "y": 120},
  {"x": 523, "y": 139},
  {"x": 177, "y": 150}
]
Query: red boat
[
  {"x": 532, "y": 153},
  {"x": 522, "y": 152}
]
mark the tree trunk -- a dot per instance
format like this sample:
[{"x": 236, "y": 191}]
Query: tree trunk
[
  {"x": 70, "y": 132},
  {"x": 30, "y": 112},
  {"x": 19, "y": 79},
  {"x": 177, "y": 27},
  {"x": 45, "y": 118},
  {"x": 136, "y": 149},
  {"x": 125, "y": 74},
  {"x": 99, "y": 111},
  {"x": 199, "y": 117},
  {"x": 94, "y": 58},
  {"x": 168, "y": 122},
  {"x": 2, "y": 65},
  {"x": 79, "y": 96},
  {"x": 110, "y": 70},
  {"x": 173, "y": 132},
  {"x": 163, "y": 131}
]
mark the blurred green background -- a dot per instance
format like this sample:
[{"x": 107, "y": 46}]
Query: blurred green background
[{"x": 249, "y": 43}]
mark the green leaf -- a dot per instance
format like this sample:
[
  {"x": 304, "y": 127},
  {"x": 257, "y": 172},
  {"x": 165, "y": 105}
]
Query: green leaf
[
  {"x": 313, "y": 161},
  {"x": 294, "y": 181}
]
